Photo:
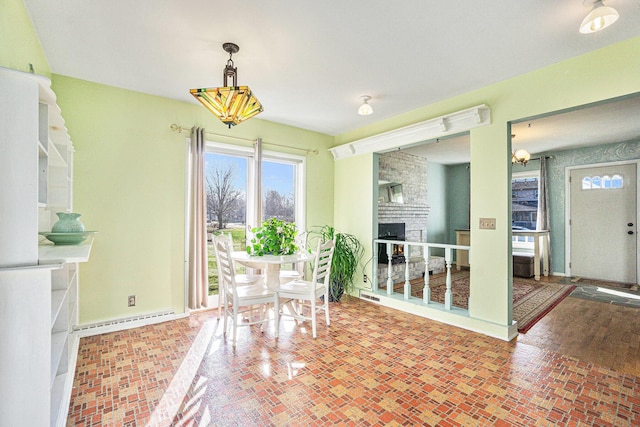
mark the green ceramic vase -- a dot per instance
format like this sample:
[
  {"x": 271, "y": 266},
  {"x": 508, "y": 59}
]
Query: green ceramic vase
[{"x": 68, "y": 223}]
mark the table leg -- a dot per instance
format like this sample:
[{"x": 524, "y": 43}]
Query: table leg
[
  {"x": 545, "y": 254},
  {"x": 273, "y": 276},
  {"x": 536, "y": 258}
]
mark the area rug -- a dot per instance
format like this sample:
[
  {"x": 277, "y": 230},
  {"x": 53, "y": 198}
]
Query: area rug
[
  {"x": 531, "y": 300},
  {"x": 604, "y": 283},
  {"x": 623, "y": 297}
]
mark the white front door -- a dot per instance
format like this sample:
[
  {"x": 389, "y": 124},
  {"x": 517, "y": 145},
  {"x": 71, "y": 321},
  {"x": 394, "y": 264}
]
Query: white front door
[{"x": 603, "y": 222}]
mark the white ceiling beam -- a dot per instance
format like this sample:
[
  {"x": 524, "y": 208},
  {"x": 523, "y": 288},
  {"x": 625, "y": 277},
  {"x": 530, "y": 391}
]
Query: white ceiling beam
[{"x": 449, "y": 124}]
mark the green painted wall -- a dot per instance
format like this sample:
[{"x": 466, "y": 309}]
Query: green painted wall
[
  {"x": 437, "y": 202},
  {"x": 448, "y": 199},
  {"x": 567, "y": 84},
  {"x": 457, "y": 200},
  {"x": 354, "y": 202},
  {"x": 130, "y": 186},
  {"x": 20, "y": 44}
]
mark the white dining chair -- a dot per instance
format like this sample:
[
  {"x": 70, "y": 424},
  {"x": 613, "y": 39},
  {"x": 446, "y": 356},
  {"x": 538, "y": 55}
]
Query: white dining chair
[
  {"x": 312, "y": 296},
  {"x": 297, "y": 272},
  {"x": 243, "y": 298},
  {"x": 241, "y": 279}
]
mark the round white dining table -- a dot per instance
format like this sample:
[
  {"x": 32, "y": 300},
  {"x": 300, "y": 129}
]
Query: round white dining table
[{"x": 271, "y": 263}]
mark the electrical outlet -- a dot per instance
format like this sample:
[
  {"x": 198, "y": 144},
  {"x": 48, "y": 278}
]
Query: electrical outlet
[
  {"x": 487, "y": 223},
  {"x": 132, "y": 300},
  {"x": 365, "y": 279}
]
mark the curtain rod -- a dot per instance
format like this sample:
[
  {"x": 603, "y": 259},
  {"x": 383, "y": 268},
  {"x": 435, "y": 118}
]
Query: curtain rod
[
  {"x": 538, "y": 158},
  {"x": 177, "y": 128}
]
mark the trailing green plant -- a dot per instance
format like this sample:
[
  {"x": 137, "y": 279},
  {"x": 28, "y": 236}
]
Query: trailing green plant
[
  {"x": 346, "y": 256},
  {"x": 273, "y": 237}
]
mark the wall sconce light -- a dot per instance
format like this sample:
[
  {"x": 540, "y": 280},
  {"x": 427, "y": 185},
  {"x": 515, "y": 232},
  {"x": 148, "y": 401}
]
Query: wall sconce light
[
  {"x": 232, "y": 104},
  {"x": 521, "y": 157},
  {"x": 599, "y": 18},
  {"x": 365, "y": 109}
]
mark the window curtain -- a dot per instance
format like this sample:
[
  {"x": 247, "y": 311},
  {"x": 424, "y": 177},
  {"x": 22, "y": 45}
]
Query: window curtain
[
  {"x": 254, "y": 191},
  {"x": 254, "y": 214},
  {"x": 198, "y": 283},
  {"x": 543, "y": 203}
]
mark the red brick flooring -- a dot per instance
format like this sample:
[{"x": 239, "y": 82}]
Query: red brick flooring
[{"x": 374, "y": 366}]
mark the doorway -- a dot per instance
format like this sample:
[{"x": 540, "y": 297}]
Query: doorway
[{"x": 603, "y": 222}]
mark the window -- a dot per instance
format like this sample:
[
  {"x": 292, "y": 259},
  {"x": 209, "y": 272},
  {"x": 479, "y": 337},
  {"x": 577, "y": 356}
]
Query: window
[
  {"x": 605, "y": 182},
  {"x": 524, "y": 206},
  {"x": 278, "y": 190},
  {"x": 231, "y": 187}
]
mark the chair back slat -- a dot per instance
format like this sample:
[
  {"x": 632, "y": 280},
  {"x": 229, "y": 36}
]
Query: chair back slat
[
  {"x": 244, "y": 298},
  {"x": 226, "y": 268},
  {"x": 322, "y": 264}
]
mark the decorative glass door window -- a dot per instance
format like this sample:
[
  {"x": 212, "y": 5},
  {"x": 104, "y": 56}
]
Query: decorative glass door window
[{"x": 605, "y": 182}]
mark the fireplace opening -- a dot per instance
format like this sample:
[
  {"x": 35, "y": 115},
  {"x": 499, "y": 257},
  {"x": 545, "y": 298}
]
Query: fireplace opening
[{"x": 391, "y": 231}]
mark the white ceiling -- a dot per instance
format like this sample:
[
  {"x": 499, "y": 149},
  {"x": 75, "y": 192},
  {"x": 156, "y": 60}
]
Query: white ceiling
[{"x": 309, "y": 62}]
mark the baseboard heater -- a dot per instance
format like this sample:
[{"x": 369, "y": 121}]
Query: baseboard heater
[
  {"x": 125, "y": 323},
  {"x": 369, "y": 297}
]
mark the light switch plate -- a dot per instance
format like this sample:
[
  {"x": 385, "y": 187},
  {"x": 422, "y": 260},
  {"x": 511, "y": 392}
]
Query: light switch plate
[{"x": 487, "y": 223}]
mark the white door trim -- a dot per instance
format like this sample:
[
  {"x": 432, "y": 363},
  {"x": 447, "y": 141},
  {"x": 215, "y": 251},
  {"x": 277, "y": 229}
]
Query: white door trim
[{"x": 567, "y": 210}]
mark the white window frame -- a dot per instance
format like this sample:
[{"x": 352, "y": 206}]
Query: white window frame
[
  {"x": 238, "y": 150},
  {"x": 528, "y": 243},
  {"x": 300, "y": 166}
]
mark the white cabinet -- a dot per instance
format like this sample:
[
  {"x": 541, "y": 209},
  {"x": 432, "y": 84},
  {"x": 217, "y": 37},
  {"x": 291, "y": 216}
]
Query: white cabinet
[{"x": 38, "y": 282}]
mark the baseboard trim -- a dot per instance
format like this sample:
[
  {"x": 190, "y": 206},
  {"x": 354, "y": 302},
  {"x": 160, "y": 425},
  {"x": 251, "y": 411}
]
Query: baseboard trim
[
  {"x": 434, "y": 311},
  {"x": 125, "y": 323}
]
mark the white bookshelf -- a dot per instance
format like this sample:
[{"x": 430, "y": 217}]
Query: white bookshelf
[{"x": 38, "y": 281}]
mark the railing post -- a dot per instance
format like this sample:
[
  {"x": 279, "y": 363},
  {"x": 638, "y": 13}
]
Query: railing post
[
  {"x": 407, "y": 283},
  {"x": 374, "y": 273},
  {"x": 426, "y": 291},
  {"x": 448, "y": 296},
  {"x": 389, "y": 270}
]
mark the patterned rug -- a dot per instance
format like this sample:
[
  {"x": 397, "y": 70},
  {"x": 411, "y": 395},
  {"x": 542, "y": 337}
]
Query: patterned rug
[{"x": 531, "y": 300}]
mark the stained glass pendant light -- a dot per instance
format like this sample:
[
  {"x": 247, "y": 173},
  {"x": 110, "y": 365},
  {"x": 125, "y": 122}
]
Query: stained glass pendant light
[{"x": 232, "y": 104}]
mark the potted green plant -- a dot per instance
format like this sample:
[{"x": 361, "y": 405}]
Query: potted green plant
[
  {"x": 273, "y": 237},
  {"x": 346, "y": 256}
]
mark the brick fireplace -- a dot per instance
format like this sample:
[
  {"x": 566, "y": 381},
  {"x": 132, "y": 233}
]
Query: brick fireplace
[
  {"x": 403, "y": 221},
  {"x": 410, "y": 171}
]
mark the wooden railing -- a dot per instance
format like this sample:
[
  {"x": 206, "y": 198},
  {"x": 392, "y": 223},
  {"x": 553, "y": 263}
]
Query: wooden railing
[{"x": 426, "y": 254}]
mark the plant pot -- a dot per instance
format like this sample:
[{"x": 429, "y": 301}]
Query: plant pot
[{"x": 336, "y": 290}]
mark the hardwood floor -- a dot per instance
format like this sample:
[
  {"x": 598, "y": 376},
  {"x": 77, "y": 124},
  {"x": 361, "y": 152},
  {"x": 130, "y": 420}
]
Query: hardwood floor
[{"x": 591, "y": 331}]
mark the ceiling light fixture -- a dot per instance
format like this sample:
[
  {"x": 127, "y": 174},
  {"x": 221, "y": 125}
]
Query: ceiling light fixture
[
  {"x": 365, "y": 109},
  {"x": 599, "y": 18},
  {"x": 232, "y": 104},
  {"x": 521, "y": 157}
]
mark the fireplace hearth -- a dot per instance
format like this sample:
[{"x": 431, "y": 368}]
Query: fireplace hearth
[{"x": 391, "y": 231}]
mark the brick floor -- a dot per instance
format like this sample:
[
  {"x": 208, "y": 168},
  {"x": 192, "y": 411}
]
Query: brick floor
[{"x": 373, "y": 366}]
